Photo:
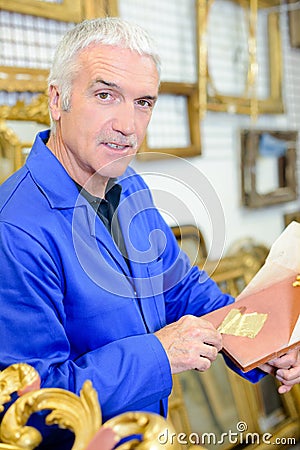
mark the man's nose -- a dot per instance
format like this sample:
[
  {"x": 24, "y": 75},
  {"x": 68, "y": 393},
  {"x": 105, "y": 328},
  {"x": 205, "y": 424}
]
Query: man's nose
[{"x": 124, "y": 120}]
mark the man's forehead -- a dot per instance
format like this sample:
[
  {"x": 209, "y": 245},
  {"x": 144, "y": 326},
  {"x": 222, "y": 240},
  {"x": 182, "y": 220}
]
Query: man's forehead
[
  {"x": 114, "y": 53},
  {"x": 111, "y": 65}
]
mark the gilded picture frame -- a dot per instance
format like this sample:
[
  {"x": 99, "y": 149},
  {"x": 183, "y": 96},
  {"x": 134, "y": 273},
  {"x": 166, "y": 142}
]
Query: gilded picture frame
[
  {"x": 214, "y": 100},
  {"x": 65, "y": 10},
  {"x": 13, "y": 148},
  {"x": 190, "y": 92}
]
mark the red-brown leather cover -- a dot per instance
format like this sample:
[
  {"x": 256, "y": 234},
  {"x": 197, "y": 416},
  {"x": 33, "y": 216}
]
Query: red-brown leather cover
[{"x": 281, "y": 301}]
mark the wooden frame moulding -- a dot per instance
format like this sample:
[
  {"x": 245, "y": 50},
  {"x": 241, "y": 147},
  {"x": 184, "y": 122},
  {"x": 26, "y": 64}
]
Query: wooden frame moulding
[
  {"x": 65, "y": 11},
  {"x": 244, "y": 104},
  {"x": 100, "y": 8},
  {"x": 286, "y": 190},
  {"x": 290, "y": 217},
  {"x": 35, "y": 111},
  {"x": 190, "y": 91},
  {"x": 23, "y": 79}
]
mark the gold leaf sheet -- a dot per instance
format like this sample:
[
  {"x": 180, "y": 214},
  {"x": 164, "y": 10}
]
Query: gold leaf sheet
[{"x": 238, "y": 324}]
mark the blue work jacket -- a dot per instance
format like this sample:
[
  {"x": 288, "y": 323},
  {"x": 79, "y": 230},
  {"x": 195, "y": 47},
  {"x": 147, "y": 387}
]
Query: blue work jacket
[{"x": 70, "y": 304}]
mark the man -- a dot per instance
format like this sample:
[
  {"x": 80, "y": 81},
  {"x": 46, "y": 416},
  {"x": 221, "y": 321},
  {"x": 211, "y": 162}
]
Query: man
[{"x": 92, "y": 282}]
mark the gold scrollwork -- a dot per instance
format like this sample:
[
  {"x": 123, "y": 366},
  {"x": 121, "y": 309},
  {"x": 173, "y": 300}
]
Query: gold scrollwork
[
  {"x": 36, "y": 110},
  {"x": 80, "y": 414},
  {"x": 154, "y": 429},
  {"x": 18, "y": 377},
  {"x": 10, "y": 151},
  {"x": 11, "y": 147}
]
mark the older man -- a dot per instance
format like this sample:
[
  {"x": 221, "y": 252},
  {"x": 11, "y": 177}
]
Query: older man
[{"x": 92, "y": 282}]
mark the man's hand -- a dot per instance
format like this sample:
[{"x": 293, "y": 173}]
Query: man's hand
[
  {"x": 286, "y": 369},
  {"x": 190, "y": 343}
]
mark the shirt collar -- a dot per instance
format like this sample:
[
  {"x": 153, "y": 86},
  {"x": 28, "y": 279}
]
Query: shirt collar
[{"x": 112, "y": 194}]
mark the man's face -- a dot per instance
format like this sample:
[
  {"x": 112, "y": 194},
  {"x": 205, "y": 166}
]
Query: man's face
[{"x": 113, "y": 95}]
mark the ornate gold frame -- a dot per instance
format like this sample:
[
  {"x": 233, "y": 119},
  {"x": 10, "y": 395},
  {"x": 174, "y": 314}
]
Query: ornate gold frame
[
  {"x": 243, "y": 104},
  {"x": 36, "y": 111},
  {"x": 10, "y": 152}
]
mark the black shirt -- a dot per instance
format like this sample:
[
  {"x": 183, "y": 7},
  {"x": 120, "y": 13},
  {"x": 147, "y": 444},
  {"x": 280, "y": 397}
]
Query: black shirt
[{"x": 106, "y": 209}]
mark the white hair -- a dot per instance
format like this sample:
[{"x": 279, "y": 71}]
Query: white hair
[{"x": 107, "y": 31}]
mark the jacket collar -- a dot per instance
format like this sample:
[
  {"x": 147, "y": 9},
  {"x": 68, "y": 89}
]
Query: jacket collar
[
  {"x": 62, "y": 193},
  {"x": 49, "y": 174}
]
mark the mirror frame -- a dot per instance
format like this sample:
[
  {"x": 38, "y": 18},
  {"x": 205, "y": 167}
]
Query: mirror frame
[
  {"x": 249, "y": 155},
  {"x": 242, "y": 104}
]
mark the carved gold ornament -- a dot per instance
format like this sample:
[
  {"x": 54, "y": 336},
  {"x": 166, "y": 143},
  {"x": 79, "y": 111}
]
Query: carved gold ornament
[{"x": 80, "y": 414}]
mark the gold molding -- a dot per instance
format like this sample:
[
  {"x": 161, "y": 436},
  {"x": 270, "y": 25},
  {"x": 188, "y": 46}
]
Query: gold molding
[
  {"x": 12, "y": 155},
  {"x": 19, "y": 378},
  {"x": 66, "y": 11},
  {"x": 10, "y": 151},
  {"x": 245, "y": 104},
  {"x": 190, "y": 91},
  {"x": 36, "y": 111},
  {"x": 100, "y": 8},
  {"x": 23, "y": 79}
]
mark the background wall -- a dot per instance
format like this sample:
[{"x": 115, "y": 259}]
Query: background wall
[
  {"x": 220, "y": 158},
  {"x": 205, "y": 189}
]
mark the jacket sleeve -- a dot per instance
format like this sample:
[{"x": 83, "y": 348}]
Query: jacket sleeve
[{"x": 32, "y": 330}]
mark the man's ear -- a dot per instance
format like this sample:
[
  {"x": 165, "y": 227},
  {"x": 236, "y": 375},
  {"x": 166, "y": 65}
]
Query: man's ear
[{"x": 54, "y": 103}]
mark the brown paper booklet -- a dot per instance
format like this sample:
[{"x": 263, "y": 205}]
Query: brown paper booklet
[{"x": 279, "y": 305}]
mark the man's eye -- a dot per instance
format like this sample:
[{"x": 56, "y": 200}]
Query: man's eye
[
  {"x": 144, "y": 103},
  {"x": 103, "y": 95}
]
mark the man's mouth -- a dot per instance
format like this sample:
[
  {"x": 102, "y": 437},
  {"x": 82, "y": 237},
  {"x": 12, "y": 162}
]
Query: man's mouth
[{"x": 116, "y": 146}]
